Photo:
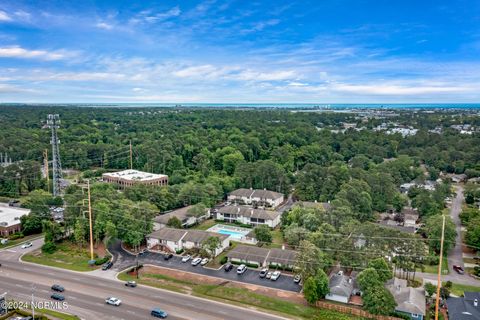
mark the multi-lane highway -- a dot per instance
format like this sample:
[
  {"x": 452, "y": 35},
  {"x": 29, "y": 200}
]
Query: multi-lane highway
[{"x": 86, "y": 293}]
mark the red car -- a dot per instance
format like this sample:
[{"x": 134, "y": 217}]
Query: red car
[{"x": 458, "y": 269}]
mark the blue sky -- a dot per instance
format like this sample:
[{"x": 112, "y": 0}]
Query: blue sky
[{"x": 335, "y": 51}]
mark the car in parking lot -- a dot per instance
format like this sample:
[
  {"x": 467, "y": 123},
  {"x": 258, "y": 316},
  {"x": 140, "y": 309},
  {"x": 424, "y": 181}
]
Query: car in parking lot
[
  {"x": 113, "y": 301},
  {"x": 269, "y": 275},
  {"x": 167, "y": 256},
  {"x": 263, "y": 273},
  {"x": 204, "y": 261},
  {"x": 26, "y": 245},
  {"x": 57, "y": 296},
  {"x": 228, "y": 267},
  {"x": 58, "y": 288},
  {"x": 186, "y": 258},
  {"x": 143, "y": 252},
  {"x": 159, "y": 313},
  {"x": 241, "y": 269},
  {"x": 196, "y": 261},
  {"x": 107, "y": 265},
  {"x": 297, "y": 278},
  {"x": 131, "y": 284},
  {"x": 275, "y": 275},
  {"x": 459, "y": 269}
]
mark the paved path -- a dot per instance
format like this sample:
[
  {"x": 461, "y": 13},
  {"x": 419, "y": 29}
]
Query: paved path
[{"x": 455, "y": 256}]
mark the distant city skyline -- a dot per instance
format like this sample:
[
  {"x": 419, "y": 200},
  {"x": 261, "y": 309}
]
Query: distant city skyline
[{"x": 240, "y": 51}]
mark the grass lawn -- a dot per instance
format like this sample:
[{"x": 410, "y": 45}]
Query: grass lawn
[
  {"x": 68, "y": 256},
  {"x": 205, "y": 224},
  {"x": 56, "y": 314},
  {"x": 238, "y": 296},
  {"x": 434, "y": 269},
  {"x": 13, "y": 243},
  {"x": 458, "y": 289}
]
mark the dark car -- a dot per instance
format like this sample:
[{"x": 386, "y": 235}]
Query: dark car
[
  {"x": 458, "y": 269},
  {"x": 57, "y": 296},
  {"x": 143, "y": 252},
  {"x": 58, "y": 288},
  {"x": 159, "y": 313},
  {"x": 107, "y": 265},
  {"x": 228, "y": 267},
  {"x": 167, "y": 256}
]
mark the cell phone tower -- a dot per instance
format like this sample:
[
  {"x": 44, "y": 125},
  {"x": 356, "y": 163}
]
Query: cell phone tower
[{"x": 53, "y": 122}]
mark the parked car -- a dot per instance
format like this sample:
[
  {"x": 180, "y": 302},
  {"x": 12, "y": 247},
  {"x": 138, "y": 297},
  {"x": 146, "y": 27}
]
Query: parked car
[
  {"x": 167, "y": 256},
  {"x": 204, "y": 261},
  {"x": 143, "y": 252},
  {"x": 275, "y": 275},
  {"x": 113, "y": 301},
  {"x": 196, "y": 261},
  {"x": 4, "y": 241},
  {"x": 26, "y": 245},
  {"x": 107, "y": 265},
  {"x": 263, "y": 273},
  {"x": 269, "y": 275},
  {"x": 58, "y": 288},
  {"x": 57, "y": 296},
  {"x": 131, "y": 284},
  {"x": 228, "y": 267},
  {"x": 297, "y": 278},
  {"x": 186, "y": 258},
  {"x": 241, "y": 269},
  {"x": 458, "y": 269},
  {"x": 159, "y": 313}
]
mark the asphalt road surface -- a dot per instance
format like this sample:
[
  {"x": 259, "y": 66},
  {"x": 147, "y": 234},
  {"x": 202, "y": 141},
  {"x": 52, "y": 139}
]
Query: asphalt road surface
[{"x": 86, "y": 294}]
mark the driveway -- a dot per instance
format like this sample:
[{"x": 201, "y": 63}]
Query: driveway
[
  {"x": 125, "y": 260},
  {"x": 455, "y": 256}
]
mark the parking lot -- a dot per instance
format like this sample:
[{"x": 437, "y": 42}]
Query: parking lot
[{"x": 124, "y": 260}]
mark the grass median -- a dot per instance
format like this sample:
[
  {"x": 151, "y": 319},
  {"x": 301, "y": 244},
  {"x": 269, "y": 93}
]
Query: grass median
[{"x": 237, "y": 296}]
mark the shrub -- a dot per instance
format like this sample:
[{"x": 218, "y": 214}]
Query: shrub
[
  {"x": 224, "y": 260},
  {"x": 179, "y": 251},
  {"x": 17, "y": 235},
  {"x": 49, "y": 247},
  {"x": 102, "y": 260}
]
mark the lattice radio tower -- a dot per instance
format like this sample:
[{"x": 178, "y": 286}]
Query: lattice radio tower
[{"x": 53, "y": 121}]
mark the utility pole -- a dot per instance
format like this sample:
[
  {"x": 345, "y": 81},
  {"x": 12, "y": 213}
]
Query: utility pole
[
  {"x": 90, "y": 220},
  {"x": 53, "y": 121},
  {"x": 45, "y": 164},
  {"x": 439, "y": 279},
  {"x": 131, "y": 156}
]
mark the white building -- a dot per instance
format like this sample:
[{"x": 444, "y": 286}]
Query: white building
[
  {"x": 10, "y": 219},
  {"x": 247, "y": 215},
  {"x": 181, "y": 214},
  {"x": 341, "y": 288},
  {"x": 256, "y": 197},
  {"x": 127, "y": 178}
]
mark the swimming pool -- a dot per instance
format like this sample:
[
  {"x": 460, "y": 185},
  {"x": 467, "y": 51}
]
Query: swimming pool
[{"x": 236, "y": 233}]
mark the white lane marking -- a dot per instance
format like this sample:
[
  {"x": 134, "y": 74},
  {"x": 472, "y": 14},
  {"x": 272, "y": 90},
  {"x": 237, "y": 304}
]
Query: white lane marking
[
  {"x": 50, "y": 273},
  {"x": 73, "y": 298},
  {"x": 130, "y": 311},
  {"x": 19, "y": 285}
]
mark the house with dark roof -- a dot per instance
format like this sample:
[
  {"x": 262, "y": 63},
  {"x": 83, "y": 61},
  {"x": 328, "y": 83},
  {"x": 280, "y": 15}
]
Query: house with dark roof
[
  {"x": 410, "y": 301},
  {"x": 464, "y": 308},
  {"x": 340, "y": 286},
  {"x": 248, "y": 215},
  {"x": 181, "y": 214},
  {"x": 259, "y": 197},
  {"x": 262, "y": 256},
  {"x": 173, "y": 240}
]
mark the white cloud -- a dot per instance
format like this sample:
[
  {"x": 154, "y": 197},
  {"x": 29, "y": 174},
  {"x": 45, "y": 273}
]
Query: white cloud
[
  {"x": 249, "y": 75},
  {"x": 386, "y": 89},
  {"x": 19, "y": 52},
  {"x": 4, "y": 16},
  {"x": 104, "y": 25}
]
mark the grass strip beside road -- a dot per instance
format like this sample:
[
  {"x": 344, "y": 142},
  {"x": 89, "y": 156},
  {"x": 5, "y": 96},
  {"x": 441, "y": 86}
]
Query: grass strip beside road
[
  {"x": 56, "y": 314},
  {"x": 459, "y": 289},
  {"x": 237, "y": 296}
]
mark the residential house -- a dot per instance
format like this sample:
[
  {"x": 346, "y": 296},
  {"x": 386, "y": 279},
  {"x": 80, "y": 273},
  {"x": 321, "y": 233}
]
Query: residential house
[
  {"x": 174, "y": 240},
  {"x": 457, "y": 178},
  {"x": 464, "y": 308},
  {"x": 10, "y": 219},
  {"x": 410, "y": 217},
  {"x": 340, "y": 286},
  {"x": 264, "y": 198},
  {"x": 281, "y": 258},
  {"x": 247, "y": 215},
  {"x": 181, "y": 214},
  {"x": 410, "y": 301}
]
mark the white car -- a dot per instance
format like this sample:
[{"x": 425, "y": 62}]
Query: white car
[
  {"x": 196, "y": 261},
  {"x": 113, "y": 301},
  {"x": 275, "y": 275},
  {"x": 27, "y": 245},
  {"x": 241, "y": 269},
  {"x": 204, "y": 261},
  {"x": 186, "y": 258}
]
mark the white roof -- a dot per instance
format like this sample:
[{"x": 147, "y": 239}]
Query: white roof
[
  {"x": 134, "y": 175},
  {"x": 10, "y": 216}
]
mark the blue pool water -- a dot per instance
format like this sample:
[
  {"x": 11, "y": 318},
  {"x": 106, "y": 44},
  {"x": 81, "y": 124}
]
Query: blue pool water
[{"x": 233, "y": 234}]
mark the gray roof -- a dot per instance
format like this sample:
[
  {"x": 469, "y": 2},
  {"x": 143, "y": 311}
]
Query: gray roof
[
  {"x": 170, "y": 234},
  {"x": 198, "y": 236},
  {"x": 250, "y": 212},
  {"x": 256, "y": 193},
  {"x": 248, "y": 253},
  {"x": 285, "y": 257},
  {"x": 341, "y": 285},
  {"x": 408, "y": 299},
  {"x": 313, "y": 204},
  {"x": 181, "y": 214},
  {"x": 463, "y": 308}
]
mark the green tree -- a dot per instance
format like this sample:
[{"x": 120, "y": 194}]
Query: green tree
[
  {"x": 472, "y": 236},
  {"x": 378, "y": 300},
  {"x": 310, "y": 260},
  {"x": 263, "y": 233},
  {"x": 51, "y": 230},
  {"x": 197, "y": 210},
  {"x": 383, "y": 269},
  {"x": 310, "y": 290},
  {"x": 31, "y": 224},
  {"x": 321, "y": 280},
  {"x": 80, "y": 232},
  {"x": 174, "y": 222},
  {"x": 368, "y": 278},
  {"x": 430, "y": 289},
  {"x": 433, "y": 227},
  {"x": 211, "y": 244}
]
